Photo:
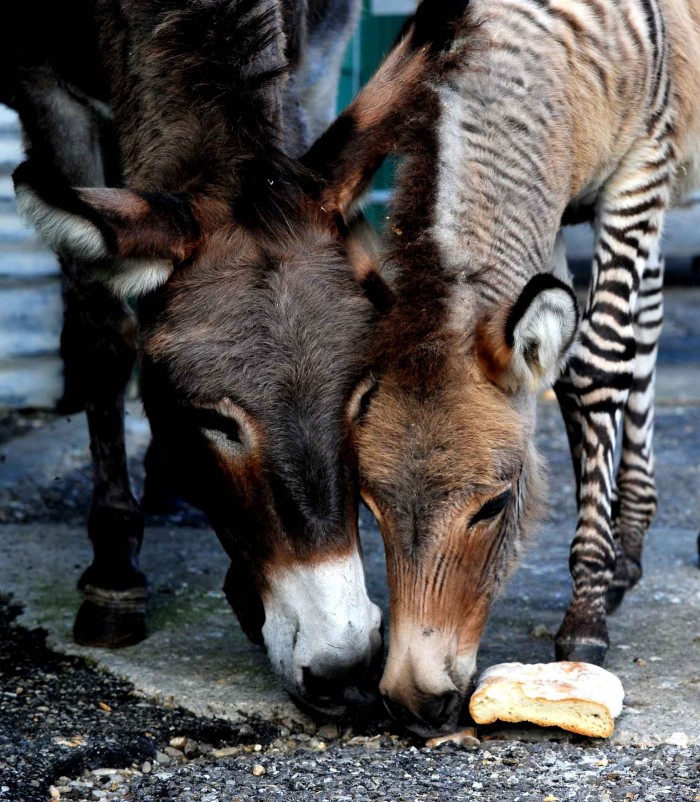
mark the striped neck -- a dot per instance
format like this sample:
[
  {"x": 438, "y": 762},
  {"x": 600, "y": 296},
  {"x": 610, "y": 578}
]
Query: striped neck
[{"x": 502, "y": 159}]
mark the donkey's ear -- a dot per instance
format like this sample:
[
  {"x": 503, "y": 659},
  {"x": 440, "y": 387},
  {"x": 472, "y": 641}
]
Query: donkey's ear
[
  {"x": 527, "y": 347},
  {"x": 132, "y": 240},
  {"x": 348, "y": 154}
]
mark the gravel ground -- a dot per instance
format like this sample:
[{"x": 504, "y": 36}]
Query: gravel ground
[{"x": 70, "y": 731}]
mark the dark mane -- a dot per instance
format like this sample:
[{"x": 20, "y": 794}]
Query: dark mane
[
  {"x": 226, "y": 58},
  {"x": 412, "y": 336},
  {"x": 222, "y": 67}
]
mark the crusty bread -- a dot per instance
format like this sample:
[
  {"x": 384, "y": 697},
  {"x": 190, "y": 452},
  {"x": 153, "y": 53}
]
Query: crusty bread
[{"x": 578, "y": 697}]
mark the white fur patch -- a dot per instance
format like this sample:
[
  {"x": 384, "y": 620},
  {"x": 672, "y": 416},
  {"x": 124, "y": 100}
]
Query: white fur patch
[
  {"x": 541, "y": 339},
  {"x": 319, "y": 617},
  {"x": 135, "y": 277},
  {"x": 73, "y": 236},
  {"x": 63, "y": 232}
]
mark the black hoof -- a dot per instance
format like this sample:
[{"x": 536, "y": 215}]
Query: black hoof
[
  {"x": 111, "y": 618},
  {"x": 581, "y": 651},
  {"x": 614, "y": 596}
]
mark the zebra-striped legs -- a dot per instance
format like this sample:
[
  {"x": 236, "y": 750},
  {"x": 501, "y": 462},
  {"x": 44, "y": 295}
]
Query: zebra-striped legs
[
  {"x": 636, "y": 501},
  {"x": 611, "y": 368}
]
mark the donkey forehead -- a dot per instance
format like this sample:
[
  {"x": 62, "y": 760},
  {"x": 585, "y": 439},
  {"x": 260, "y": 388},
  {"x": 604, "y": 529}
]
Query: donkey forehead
[
  {"x": 460, "y": 434},
  {"x": 283, "y": 329}
]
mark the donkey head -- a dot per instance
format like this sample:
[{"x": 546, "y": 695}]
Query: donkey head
[
  {"x": 444, "y": 421},
  {"x": 447, "y": 463},
  {"x": 253, "y": 337},
  {"x": 256, "y": 311}
]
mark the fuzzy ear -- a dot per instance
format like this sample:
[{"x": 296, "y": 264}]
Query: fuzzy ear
[
  {"x": 348, "y": 154},
  {"x": 527, "y": 347},
  {"x": 132, "y": 239}
]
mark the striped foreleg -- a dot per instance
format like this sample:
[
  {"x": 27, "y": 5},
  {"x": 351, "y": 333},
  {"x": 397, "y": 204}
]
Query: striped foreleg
[
  {"x": 635, "y": 475},
  {"x": 602, "y": 373}
]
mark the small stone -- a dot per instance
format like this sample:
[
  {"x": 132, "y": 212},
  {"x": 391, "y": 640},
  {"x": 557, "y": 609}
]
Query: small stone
[
  {"x": 328, "y": 731},
  {"x": 104, "y": 707},
  {"x": 163, "y": 759},
  {"x": 466, "y": 738},
  {"x": 191, "y": 748},
  {"x": 147, "y": 767},
  {"x": 317, "y": 744},
  {"x": 176, "y": 753},
  {"x": 227, "y": 751},
  {"x": 640, "y": 661},
  {"x": 54, "y": 793},
  {"x": 178, "y": 742},
  {"x": 540, "y": 631},
  {"x": 678, "y": 739},
  {"x": 258, "y": 770},
  {"x": 257, "y": 748}
]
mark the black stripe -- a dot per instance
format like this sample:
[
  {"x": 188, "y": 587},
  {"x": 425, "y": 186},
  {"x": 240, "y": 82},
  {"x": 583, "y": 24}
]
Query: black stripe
[{"x": 537, "y": 284}]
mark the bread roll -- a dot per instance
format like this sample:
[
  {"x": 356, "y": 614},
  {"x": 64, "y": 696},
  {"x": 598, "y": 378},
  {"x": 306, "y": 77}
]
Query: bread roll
[{"x": 578, "y": 697}]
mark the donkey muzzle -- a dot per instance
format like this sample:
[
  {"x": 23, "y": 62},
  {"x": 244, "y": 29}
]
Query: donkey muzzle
[{"x": 323, "y": 634}]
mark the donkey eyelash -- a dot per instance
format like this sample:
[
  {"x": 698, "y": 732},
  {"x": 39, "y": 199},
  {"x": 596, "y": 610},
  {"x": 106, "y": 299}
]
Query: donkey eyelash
[{"x": 492, "y": 508}]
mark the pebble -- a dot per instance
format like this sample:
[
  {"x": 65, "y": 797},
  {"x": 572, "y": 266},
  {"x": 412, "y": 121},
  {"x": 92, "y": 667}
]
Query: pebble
[
  {"x": 328, "y": 731},
  {"x": 258, "y": 770},
  {"x": 227, "y": 751},
  {"x": 178, "y": 742},
  {"x": 465, "y": 738},
  {"x": 147, "y": 767}
]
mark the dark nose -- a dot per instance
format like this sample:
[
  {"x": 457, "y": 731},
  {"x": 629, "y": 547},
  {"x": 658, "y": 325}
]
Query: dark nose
[
  {"x": 354, "y": 687},
  {"x": 431, "y": 715}
]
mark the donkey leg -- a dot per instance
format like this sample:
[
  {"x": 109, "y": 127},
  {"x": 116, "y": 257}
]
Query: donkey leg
[
  {"x": 602, "y": 373},
  {"x": 70, "y": 132},
  {"x": 113, "y": 611},
  {"x": 635, "y": 477}
]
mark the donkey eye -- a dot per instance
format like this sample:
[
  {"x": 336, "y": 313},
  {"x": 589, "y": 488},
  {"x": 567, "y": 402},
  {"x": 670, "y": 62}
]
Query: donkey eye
[
  {"x": 219, "y": 425},
  {"x": 492, "y": 508}
]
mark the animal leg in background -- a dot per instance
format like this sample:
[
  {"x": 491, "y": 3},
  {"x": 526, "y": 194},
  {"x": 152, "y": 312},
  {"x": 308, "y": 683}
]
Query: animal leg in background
[
  {"x": 64, "y": 130},
  {"x": 634, "y": 498},
  {"x": 601, "y": 372},
  {"x": 636, "y": 489}
]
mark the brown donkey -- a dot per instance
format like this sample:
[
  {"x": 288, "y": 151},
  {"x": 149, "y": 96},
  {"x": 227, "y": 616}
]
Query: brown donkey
[
  {"x": 511, "y": 116},
  {"x": 256, "y": 308}
]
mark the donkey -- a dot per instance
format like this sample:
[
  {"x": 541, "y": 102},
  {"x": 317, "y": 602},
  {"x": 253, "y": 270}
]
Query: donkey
[
  {"x": 523, "y": 114},
  {"x": 255, "y": 306}
]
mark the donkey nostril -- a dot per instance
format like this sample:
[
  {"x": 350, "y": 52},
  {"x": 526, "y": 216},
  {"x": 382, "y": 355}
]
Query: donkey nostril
[
  {"x": 434, "y": 712},
  {"x": 319, "y": 687},
  {"x": 355, "y": 686},
  {"x": 397, "y": 711},
  {"x": 440, "y": 709}
]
